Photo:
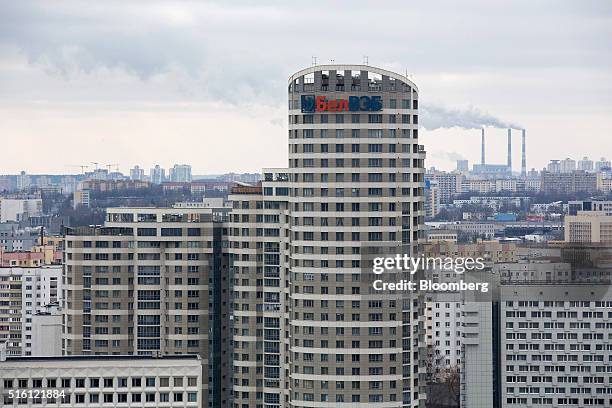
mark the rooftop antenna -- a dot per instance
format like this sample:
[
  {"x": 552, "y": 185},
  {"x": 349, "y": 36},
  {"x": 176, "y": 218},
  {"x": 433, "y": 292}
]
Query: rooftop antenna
[
  {"x": 365, "y": 60},
  {"x": 332, "y": 61},
  {"x": 314, "y": 60}
]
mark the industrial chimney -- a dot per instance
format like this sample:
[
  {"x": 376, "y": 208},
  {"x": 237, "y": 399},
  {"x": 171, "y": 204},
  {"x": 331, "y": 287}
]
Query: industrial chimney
[
  {"x": 523, "y": 156},
  {"x": 510, "y": 150},
  {"x": 482, "y": 148}
]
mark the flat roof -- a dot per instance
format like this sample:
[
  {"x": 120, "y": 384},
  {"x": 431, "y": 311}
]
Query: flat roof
[{"x": 105, "y": 357}]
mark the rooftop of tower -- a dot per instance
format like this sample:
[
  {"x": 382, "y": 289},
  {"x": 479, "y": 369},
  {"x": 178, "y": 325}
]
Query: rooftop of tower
[{"x": 349, "y": 67}]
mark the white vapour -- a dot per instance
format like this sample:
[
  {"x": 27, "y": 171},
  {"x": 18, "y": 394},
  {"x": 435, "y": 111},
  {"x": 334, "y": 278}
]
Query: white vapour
[{"x": 437, "y": 117}]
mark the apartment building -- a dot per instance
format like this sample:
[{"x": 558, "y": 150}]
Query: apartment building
[
  {"x": 151, "y": 281},
  {"x": 180, "y": 173},
  {"x": 588, "y": 227},
  {"x": 81, "y": 198},
  {"x": 572, "y": 182},
  {"x": 432, "y": 199},
  {"x": 23, "y": 293},
  {"x": 450, "y": 184},
  {"x": 357, "y": 180},
  {"x": 14, "y": 238},
  {"x": 444, "y": 329},
  {"x": 17, "y": 209},
  {"x": 259, "y": 240},
  {"x": 589, "y": 205},
  {"x": 102, "y": 381},
  {"x": 436, "y": 235},
  {"x": 555, "y": 345},
  {"x": 482, "y": 229},
  {"x": 47, "y": 331}
]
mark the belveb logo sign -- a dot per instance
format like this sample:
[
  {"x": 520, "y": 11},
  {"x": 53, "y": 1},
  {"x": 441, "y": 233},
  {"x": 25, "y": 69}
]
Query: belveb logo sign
[{"x": 312, "y": 104}]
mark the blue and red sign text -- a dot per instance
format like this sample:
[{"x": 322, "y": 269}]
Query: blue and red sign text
[{"x": 311, "y": 104}]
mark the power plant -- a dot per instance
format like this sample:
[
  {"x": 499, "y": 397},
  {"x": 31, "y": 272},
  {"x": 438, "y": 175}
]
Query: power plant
[
  {"x": 484, "y": 168},
  {"x": 523, "y": 155}
]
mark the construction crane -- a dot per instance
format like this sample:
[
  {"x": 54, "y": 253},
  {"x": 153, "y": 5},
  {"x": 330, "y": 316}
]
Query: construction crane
[
  {"x": 108, "y": 166},
  {"x": 95, "y": 164},
  {"x": 82, "y": 166}
]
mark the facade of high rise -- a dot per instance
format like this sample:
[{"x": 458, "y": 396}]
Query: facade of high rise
[
  {"x": 449, "y": 184},
  {"x": 585, "y": 164},
  {"x": 602, "y": 164},
  {"x": 307, "y": 328},
  {"x": 567, "y": 165},
  {"x": 136, "y": 173},
  {"x": 432, "y": 198},
  {"x": 180, "y": 173},
  {"x": 145, "y": 284},
  {"x": 259, "y": 239},
  {"x": 576, "y": 181},
  {"x": 538, "y": 345},
  {"x": 157, "y": 175},
  {"x": 357, "y": 181},
  {"x": 463, "y": 166},
  {"x": 23, "y": 293}
]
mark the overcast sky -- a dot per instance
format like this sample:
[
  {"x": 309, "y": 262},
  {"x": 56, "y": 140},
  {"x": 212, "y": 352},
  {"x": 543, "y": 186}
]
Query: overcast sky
[{"x": 135, "y": 82}]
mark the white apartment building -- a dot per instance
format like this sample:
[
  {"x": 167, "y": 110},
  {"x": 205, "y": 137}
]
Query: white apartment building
[
  {"x": 602, "y": 164},
  {"x": 444, "y": 329},
  {"x": 47, "y": 332},
  {"x": 15, "y": 209},
  {"x": 102, "y": 381},
  {"x": 533, "y": 184},
  {"x": 180, "y": 173},
  {"x": 555, "y": 346},
  {"x": 567, "y": 165},
  {"x": 436, "y": 235},
  {"x": 157, "y": 175},
  {"x": 486, "y": 230},
  {"x": 136, "y": 173},
  {"x": 540, "y": 345},
  {"x": 478, "y": 186},
  {"x": 23, "y": 293},
  {"x": 449, "y": 184},
  {"x": 585, "y": 164}
]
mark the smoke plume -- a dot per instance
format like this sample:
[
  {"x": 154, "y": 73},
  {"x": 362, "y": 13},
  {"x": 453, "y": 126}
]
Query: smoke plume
[{"x": 437, "y": 117}]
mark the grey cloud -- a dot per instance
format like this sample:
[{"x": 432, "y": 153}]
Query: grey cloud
[{"x": 238, "y": 52}]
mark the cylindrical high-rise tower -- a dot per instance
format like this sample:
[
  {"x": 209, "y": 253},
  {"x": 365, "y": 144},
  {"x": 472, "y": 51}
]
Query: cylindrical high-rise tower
[{"x": 357, "y": 177}]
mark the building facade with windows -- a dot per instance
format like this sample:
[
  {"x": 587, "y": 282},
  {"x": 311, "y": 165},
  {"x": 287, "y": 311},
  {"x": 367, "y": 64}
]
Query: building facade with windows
[
  {"x": 23, "y": 293},
  {"x": 259, "y": 236},
  {"x": 357, "y": 181},
  {"x": 151, "y": 281},
  {"x": 99, "y": 381}
]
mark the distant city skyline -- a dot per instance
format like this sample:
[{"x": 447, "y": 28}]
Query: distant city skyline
[{"x": 449, "y": 166}]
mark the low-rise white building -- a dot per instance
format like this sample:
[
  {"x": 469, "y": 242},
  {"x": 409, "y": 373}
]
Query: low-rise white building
[{"x": 100, "y": 381}]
